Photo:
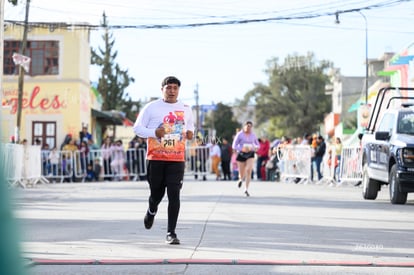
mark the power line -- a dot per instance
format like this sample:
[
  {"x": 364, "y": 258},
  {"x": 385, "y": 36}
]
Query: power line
[{"x": 298, "y": 16}]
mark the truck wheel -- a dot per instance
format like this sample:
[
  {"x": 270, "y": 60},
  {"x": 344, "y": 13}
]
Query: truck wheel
[
  {"x": 396, "y": 196},
  {"x": 370, "y": 187}
]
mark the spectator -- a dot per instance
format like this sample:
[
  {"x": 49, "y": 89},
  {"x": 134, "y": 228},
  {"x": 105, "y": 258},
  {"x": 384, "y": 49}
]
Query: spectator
[
  {"x": 272, "y": 168},
  {"x": 215, "y": 156},
  {"x": 97, "y": 169},
  {"x": 83, "y": 156},
  {"x": 64, "y": 167},
  {"x": 332, "y": 158},
  {"x": 262, "y": 156},
  {"x": 307, "y": 139},
  {"x": 84, "y": 135},
  {"x": 90, "y": 173},
  {"x": 106, "y": 156},
  {"x": 118, "y": 159},
  {"x": 226, "y": 153},
  {"x": 53, "y": 157},
  {"x": 38, "y": 142},
  {"x": 68, "y": 137},
  {"x": 313, "y": 144},
  {"x": 319, "y": 153},
  {"x": 45, "y": 159},
  {"x": 338, "y": 152},
  {"x": 69, "y": 151},
  {"x": 94, "y": 150}
]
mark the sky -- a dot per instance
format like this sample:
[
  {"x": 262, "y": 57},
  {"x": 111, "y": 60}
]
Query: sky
[{"x": 221, "y": 47}]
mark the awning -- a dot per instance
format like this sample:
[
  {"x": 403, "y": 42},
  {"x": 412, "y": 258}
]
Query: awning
[
  {"x": 402, "y": 60},
  {"x": 107, "y": 117}
]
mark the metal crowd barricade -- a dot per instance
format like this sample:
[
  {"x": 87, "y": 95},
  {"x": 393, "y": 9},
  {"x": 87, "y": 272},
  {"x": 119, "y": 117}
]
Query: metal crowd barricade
[
  {"x": 21, "y": 164},
  {"x": 12, "y": 163},
  {"x": 77, "y": 166},
  {"x": 32, "y": 165},
  {"x": 136, "y": 163},
  {"x": 351, "y": 164},
  {"x": 59, "y": 167},
  {"x": 197, "y": 161},
  {"x": 295, "y": 161},
  {"x": 32, "y": 171}
]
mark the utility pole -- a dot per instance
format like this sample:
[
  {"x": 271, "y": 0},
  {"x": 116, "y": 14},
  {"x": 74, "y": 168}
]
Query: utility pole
[
  {"x": 366, "y": 51},
  {"x": 21, "y": 74},
  {"x": 366, "y": 56},
  {"x": 197, "y": 108}
]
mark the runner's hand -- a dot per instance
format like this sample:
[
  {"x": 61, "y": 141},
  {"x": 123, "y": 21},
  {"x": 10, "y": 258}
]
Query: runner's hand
[{"x": 160, "y": 132}]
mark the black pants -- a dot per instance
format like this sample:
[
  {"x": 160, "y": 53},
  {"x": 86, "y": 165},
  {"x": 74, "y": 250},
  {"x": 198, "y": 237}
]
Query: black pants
[
  {"x": 107, "y": 169},
  {"x": 225, "y": 167},
  {"x": 166, "y": 175}
]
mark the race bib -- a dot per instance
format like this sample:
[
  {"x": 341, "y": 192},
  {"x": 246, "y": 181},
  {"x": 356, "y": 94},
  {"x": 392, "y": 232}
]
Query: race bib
[{"x": 170, "y": 140}]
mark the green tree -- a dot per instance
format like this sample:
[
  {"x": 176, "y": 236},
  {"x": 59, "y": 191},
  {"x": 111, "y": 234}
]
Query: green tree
[
  {"x": 294, "y": 100},
  {"x": 113, "y": 80},
  {"x": 222, "y": 120}
]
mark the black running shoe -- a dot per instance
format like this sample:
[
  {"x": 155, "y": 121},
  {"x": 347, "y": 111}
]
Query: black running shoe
[
  {"x": 247, "y": 193},
  {"x": 239, "y": 184},
  {"x": 172, "y": 239},
  {"x": 148, "y": 220}
]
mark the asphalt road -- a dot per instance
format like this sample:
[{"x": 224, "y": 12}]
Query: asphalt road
[{"x": 283, "y": 228}]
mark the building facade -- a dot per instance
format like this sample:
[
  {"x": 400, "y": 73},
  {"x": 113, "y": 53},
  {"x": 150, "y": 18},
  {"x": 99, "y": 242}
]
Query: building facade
[{"x": 57, "y": 96}]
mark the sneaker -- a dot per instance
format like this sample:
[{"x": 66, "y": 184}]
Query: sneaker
[
  {"x": 247, "y": 193},
  {"x": 240, "y": 183},
  {"x": 148, "y": 220},
  {"x": 172, "y": 239}
]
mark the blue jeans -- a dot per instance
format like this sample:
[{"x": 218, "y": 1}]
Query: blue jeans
[{"x": 317, "y": 160}]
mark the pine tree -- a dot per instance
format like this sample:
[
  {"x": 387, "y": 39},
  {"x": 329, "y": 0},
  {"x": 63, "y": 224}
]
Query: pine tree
[{"x": 113, "y": 80}]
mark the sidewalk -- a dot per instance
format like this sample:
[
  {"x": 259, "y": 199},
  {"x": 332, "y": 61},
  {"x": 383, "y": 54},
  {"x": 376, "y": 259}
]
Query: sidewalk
[{"x": 97, "y": 228}]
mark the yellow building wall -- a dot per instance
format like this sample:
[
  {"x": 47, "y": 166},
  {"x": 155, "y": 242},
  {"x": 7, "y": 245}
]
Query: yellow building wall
[{"x": 64, "y": 98}]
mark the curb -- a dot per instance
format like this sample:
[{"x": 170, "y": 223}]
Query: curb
[{"x": 217, "y": 262}]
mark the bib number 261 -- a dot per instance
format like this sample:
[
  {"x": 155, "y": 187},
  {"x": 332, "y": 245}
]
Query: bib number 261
[{"x": 170, "y": 140}]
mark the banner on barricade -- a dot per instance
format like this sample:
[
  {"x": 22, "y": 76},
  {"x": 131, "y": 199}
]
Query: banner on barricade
[{"x": 295, "y": 161}]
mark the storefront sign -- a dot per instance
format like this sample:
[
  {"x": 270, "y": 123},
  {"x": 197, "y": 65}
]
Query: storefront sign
[{"x": 34, "y": 101}]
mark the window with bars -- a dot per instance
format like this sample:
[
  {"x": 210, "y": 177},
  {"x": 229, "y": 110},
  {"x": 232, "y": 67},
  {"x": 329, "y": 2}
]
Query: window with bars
[{"x": 44, "y": 57}]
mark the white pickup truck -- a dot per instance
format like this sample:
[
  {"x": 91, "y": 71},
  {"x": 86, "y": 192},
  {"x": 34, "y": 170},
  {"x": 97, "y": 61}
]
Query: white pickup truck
[{"x": 388, "y": 146}]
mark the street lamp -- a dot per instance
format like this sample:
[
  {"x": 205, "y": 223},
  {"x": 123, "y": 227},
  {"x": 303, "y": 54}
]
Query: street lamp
[{"x": 366, "y": 50}]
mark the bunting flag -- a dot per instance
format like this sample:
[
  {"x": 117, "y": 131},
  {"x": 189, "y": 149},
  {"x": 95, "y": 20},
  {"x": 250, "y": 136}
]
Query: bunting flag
[{"x": 22, "y": 60}]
